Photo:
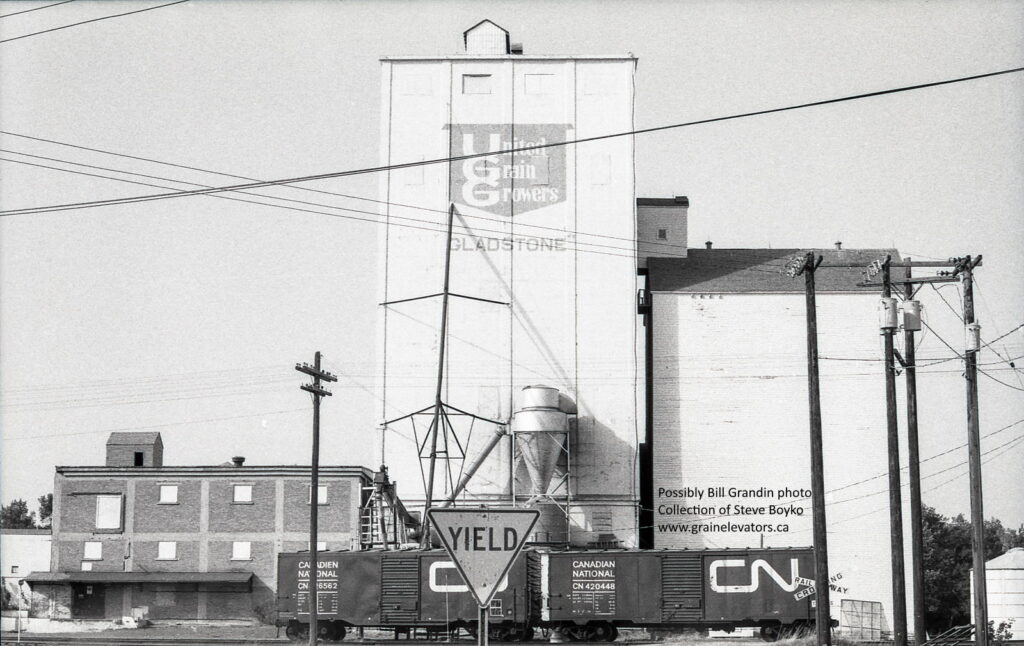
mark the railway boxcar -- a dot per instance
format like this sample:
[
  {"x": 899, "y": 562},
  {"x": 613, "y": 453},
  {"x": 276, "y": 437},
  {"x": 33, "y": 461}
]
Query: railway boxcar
[
  {"x": 587, "y": 594},
  {"x": 590, "y": 594},
  {"x": 395, "y": 589}
]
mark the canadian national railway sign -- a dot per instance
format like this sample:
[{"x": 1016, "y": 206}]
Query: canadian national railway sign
[{"x": 508, "y": 184}]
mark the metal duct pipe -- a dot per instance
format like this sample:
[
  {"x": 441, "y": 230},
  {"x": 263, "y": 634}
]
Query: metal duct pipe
[{"x": 499, "y": 433}]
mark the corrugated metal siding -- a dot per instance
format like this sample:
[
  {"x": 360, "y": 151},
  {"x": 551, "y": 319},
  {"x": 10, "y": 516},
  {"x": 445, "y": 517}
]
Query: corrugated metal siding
[
  {"x": 681, "y": 587},
  {"x": 399, "y": 597}
]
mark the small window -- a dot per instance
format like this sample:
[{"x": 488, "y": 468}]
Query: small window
[
  {"x": 93, "y": 551},
  {"x": 662, "y": 234},
  {"x": 168, "y": 494},
  {"x": 321, "y": 494},
  {"x": 321, "y": 546},
  {"x": 14, "y": 568},
  {"x": 243, "y": 493},
  {"x": 166, "y": 551},
  {"x": 241, "y": 551},
  {"x": 476, "y": 83},
  {"x": 140, "y": 458},
  {"x": 86, "y": 566},
  {"x": 538, "y": 83},
  {"x": 108, "y": 512}
]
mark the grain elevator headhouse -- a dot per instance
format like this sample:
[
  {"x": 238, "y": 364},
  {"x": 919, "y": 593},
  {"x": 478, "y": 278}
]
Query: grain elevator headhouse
[{"x": 542, "y": 281}]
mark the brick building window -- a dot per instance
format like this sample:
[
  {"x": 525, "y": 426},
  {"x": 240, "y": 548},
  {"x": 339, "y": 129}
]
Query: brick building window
[
  {"x": 321, "y": 494},
  {"x": 168, "y": 494},
  {"x": 321, "y": 546},
  {"x": 92, "y": 551},
  {"x": 662, "y": 234},
  {"x": 167, "y": 551},
  {"x": 242, "y": 493},
  {"x": 140, "y": 458},
  {"x": 241, "y": 551},
  {"x": 14, "y": 569},
  {"x": 86, "y": 566},
  {"x": 108, "y": 511}
]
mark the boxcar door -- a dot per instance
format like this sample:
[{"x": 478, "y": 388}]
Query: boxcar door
[{"x": 400, "y": 589}]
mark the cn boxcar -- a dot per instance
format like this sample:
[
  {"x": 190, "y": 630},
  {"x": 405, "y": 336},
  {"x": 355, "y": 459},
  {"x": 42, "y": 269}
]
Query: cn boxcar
[
  {"x": 586, "y": 594},
  {"x": 589, "y": 594},
  {"x": 401, "y": 590}
]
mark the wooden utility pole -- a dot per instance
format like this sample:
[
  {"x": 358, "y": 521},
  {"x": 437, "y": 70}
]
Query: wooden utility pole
[
  {"x": 899, "y": 593},
  {"x": 966, "y": 268},
  {"x": 314, "y": 487},
  {"x": 822, "y": 615},
  {"x": 916, "y": 535}
]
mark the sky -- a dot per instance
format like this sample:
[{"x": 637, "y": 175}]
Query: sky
[{"x": 186, "y": 316}]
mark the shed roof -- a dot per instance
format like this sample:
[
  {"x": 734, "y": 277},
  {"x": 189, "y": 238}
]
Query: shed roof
[
  {"x": 1011, "y": 560},
  {"x": 138, "y": 437},
  {"x": 737, "y": 271}
]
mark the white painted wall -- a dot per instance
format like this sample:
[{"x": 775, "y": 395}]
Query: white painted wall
[
  {"x": 28, "y": 553},
  {"x": 730, "y": 410},
  {"x": 572, "y": 315}
]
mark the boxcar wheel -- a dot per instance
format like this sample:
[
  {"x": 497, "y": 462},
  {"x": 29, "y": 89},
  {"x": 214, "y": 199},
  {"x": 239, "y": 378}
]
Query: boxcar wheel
[
  {"x": 771, "y": 632},
  {"x": 499, "y": 633},
  {"x": 521, "y": 633},
  {"x": 601, "y": 631},
  {"x": 296, "y": 631}
]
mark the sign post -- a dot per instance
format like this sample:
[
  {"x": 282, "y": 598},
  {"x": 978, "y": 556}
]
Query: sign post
[{"x": 483, "y": 543}]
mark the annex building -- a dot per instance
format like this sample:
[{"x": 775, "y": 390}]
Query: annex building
[{"x": 136, "y": 537}]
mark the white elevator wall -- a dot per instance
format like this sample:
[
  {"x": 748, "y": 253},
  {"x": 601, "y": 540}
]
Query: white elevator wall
[
  {"x": 730, "y": 410},
  {"x": 571, "y": 323}
]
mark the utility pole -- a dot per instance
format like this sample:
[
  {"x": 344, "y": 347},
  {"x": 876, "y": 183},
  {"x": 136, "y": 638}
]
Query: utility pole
[
  {"x": 822, "y": 615},
  {"x": 899, "y": 593},
  {"x": 973, "y": 345},
  {"x": 314, "y": 488},
  {"x": 911, "y": 324}
]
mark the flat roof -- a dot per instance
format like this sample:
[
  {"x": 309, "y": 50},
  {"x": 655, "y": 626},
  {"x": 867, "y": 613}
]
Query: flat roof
[
  {"x": 679, "y": 200},
  {"x": 739, "y": 271},
  {"x": 219, "y": 470},
  {"x": 507, "y": 57},
  {"x": 139, "y": 577}
]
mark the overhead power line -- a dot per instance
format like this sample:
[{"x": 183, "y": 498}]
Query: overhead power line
[
  {"x": 84, "y": 22},
  {"x": 466, "y": 230},
  {"x": 445, "y": 160},
  {"x": 315, "y": 190},
  {"x": 8, "y": 15}
]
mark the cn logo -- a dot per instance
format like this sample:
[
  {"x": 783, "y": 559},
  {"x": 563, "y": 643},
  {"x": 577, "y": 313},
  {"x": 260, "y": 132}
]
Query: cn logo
[
  {"x": 755, "y": 567},
  {"x": 437, "y": 586}
]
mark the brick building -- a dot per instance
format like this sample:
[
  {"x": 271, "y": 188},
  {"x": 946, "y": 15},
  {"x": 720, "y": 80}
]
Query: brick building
[{"x": 185, "y": 542}]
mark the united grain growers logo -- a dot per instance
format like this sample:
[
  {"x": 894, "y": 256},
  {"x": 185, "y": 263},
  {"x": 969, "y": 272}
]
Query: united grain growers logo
[{"x": 508, "y": 184}]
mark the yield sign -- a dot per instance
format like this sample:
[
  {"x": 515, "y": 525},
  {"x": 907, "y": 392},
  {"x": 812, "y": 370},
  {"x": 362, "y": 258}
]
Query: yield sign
[{"x": 483, "y": 543}]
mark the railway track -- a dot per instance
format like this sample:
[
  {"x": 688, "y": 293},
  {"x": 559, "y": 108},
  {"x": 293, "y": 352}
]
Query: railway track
[{"x": 64, "y": 640}]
